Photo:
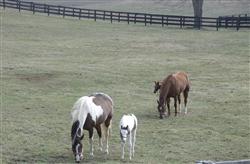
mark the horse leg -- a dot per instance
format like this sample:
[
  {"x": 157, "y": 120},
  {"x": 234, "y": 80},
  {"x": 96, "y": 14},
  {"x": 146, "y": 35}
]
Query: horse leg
[
  {"x": 168, "y": 102},
  {"x": 107, "y": 128},
  {"x": 122, "y": 149},
  {"x": 91, "y": 137},
  {"x": 99, "y": 132},
  {"x": 175, "y": 105},
  {"x": 133, "y": 143},
  {"x": 185, "y": 100},
  {"x": 179, "y": 101},
  {"x": 130, "y": 146}
]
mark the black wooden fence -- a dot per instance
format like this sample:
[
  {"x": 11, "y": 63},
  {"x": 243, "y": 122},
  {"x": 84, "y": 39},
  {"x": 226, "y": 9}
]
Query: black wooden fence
[
  {"x": 235, "y": 21},
  {"x": 129, "y": 17}
]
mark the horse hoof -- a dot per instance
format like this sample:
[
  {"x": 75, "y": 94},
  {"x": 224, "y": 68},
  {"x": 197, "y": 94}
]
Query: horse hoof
[{"x": 91, "y": 156}]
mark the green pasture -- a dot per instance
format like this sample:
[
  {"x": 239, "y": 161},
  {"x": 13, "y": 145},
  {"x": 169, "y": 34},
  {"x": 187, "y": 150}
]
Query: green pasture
[
  {"x": 211, "y": 8},
  {"x": 47, "y": 63}
]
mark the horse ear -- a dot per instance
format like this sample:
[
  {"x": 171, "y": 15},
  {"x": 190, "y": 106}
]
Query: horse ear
[
  {"x": 158, "y": 102},
  {"x": 127, "y": 127}
]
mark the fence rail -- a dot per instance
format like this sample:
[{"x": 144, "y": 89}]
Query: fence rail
[{"x": 129, "y": 17}]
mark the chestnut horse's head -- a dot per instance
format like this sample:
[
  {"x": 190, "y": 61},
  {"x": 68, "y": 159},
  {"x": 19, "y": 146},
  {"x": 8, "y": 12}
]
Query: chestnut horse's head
[{"x": 157, "y": 86}]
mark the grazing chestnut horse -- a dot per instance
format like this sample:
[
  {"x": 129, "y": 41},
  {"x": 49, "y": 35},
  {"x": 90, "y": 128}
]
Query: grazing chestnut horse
[
  {"x": 89, "y": 112},
  {"x": 172, "y": 86}
]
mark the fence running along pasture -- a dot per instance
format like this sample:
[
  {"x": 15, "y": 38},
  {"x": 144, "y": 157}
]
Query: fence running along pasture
[{"x": 241, "y": 21}]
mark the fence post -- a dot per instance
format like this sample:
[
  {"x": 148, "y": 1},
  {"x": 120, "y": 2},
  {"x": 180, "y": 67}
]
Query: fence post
[
  {"x": 150, "y": 19},
  {"x": 135, "y": 18},
  {"x": 33, "y": 7},
  {"x": 226, "y": 22},
  {"x": 48, "y": 9},
  {"x": 183, "y": 22},
  {"x": 19, "y": 5},
  {"x": 58, "y": 10},
  {"x": 180, "y": 22},
  {"x": 238, "y": 23},
  {"x": 111, "y": 17},
  {"x": 95, "y": 15},
  {"x": 119, "y": 16},
  {"x": 4, "y": 4},
  {"x": 200, "y": 22},
  {"x": 63, "y": 11},
  {"x": 145, "y": 19},
  {"x": 162, "y": 21},
  {"x": 128, "y": 17},
  {"x": 80, "y": 13},
  {"x": 104, "y": 14},
  {"x": 217, "y": 24}
]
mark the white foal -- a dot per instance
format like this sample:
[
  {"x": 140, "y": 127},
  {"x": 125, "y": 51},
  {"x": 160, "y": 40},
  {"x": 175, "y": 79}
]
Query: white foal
[{"x": 128, "y": 127}]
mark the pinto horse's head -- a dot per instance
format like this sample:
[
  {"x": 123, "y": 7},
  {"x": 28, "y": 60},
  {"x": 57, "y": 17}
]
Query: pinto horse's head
[
  {"x": 124, "y": 133},
  {"x": 77, "y": 147},
  {"x": 157, "y": 86},
  {"x": 161, "y": 108}
]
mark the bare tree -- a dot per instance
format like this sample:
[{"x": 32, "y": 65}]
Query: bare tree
[{"x": 197, "y": 5}]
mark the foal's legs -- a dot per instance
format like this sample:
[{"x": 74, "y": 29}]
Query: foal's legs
[
  {"x": 122, "y": 149},
  {"x": 133, "y": 143},
  {"x": 175, "y": 105},
  {"x": 91, "y": 137},
  {"x": 130, "y": 146},
  {"x": 99, "y": 132},
  {"x": 185, "y": 100}
]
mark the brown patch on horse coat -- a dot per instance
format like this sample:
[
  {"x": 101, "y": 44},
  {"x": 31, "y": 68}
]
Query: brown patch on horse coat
[{"x": 106, "y": 104}]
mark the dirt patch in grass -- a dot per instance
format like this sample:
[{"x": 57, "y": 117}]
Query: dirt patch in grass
[{"x": 39, "y": 77}]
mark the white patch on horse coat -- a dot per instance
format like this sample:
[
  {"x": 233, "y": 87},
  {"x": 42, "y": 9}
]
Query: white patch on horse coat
[
  {"x": 83, "y": 107},
  {"x": 128, "y": 120}
]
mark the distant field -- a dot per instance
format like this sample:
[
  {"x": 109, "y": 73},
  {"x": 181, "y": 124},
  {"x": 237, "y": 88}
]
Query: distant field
[
  {"x": 213, "y": 8},
  {"x": 47, "y": 63}
]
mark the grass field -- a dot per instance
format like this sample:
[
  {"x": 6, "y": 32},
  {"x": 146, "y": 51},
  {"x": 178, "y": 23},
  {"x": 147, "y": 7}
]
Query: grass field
[
  {"x": 211, "y": 8},
  {"x": 47, "y": 63}
]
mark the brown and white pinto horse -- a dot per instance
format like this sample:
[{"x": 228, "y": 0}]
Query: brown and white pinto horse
[
  {"x": 89, "y": 112},
  {"x": 172, "y": 86}
]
